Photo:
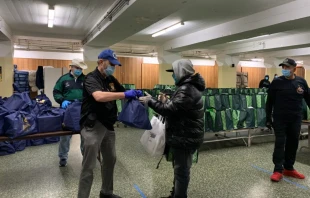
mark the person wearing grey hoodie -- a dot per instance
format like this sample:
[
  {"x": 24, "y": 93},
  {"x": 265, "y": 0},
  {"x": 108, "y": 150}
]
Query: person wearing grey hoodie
[{"x": 184, "y": 121}]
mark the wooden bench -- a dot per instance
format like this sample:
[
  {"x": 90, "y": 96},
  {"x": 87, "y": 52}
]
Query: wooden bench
[{"x": 39, "y": 135}]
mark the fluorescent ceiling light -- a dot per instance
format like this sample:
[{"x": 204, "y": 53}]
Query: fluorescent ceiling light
[
  {"x": 51, "y": 16},
  {"x": 257, "y": 59},
  {"x": 168, "y": 29},
  {"x": 251, "y": 64},
  {"x": 250, "y": 38},
  {"x": 300, "y": 62}
]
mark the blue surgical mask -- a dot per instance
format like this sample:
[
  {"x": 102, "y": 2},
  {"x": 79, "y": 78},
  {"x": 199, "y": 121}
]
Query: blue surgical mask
[
  {"x": 174, "y": 78},
  {"x": 266, "y": 78},
  {"x": 109, "y": 70},
  {"x": 77, "y": 72},
  {"x": 286, "y": 73}
]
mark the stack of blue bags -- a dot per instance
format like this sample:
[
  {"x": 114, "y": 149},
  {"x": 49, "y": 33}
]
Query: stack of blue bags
[
  {"x": 21, "y": 81},
  {"x": 21, "y": 116}
]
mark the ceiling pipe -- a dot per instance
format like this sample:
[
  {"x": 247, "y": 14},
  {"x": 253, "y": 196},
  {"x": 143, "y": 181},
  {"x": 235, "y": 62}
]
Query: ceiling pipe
[{"x": 108, "y": 17}]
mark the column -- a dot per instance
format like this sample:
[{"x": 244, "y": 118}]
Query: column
[
  {"x": 91, "y": 57},
  {"x": 6, "y": 64},
  {"x": 272, "y": 67},
  {"x": 165, "y": 60},
  {"x": 227, "y": 75}
]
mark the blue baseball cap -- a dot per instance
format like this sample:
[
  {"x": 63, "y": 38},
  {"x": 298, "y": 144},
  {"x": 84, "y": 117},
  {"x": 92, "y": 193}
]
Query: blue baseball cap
[{"x": 109, "y": 55}]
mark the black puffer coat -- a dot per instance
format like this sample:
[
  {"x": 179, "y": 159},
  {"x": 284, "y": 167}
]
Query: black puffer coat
[{"x": 184, "y": 113}]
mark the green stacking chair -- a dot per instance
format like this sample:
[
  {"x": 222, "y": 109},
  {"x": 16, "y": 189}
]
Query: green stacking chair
[
  {"x": 213, "y": 102},
  {"x": 260, "y": 117}
]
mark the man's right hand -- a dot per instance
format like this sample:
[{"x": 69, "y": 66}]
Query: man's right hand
[
  {"x": 269, "y": 124},
  {"x": 65, "y": 104}
]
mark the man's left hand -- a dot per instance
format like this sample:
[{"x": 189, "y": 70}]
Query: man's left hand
[{"x": 145, "y": 99}]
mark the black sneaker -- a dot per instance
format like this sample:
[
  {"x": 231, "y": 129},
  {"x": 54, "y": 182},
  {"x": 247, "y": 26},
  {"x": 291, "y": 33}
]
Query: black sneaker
[
  {"x": 171, "y": 194},
  {"x": 63, "y": 163},
  {"x": 109, "y": 196}
]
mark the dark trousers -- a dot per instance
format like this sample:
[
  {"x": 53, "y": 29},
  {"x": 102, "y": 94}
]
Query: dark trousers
[
  {"x": 182, "y": 163},
  {"x": 287, "y": 132}
]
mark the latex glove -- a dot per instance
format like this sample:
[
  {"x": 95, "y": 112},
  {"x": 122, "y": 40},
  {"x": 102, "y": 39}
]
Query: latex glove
[
  {"x": 139, "y": 93},
  {"x": 130, "y": 94},
  {"x": 65, "y": 104},
  {"x": 145, "y": 99}
]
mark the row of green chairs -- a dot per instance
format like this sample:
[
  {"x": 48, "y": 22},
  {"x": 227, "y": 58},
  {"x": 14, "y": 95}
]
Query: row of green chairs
[
  {"x": 129, "y": 86},
  {"x": 235, "y": 90},
  {"x": 221, "y": 102},
  {"x": 163, "y": 87},
  {"x": 229, "y": 119}
]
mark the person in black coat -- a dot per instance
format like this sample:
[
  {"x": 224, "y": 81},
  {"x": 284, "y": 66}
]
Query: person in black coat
[
  {"x": 265, "y": 83},
  {"x": 184, "y": 121}
]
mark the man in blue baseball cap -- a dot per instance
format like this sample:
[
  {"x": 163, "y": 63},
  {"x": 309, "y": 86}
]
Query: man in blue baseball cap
[{"x": 98, "y": 116}]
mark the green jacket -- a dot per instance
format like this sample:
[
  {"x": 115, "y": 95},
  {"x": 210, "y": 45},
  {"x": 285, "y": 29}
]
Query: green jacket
[{"x": 69, "y": 88}]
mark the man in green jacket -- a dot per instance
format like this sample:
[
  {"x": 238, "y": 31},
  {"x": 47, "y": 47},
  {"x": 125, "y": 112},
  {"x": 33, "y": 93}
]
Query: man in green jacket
[{"x": 68, "y": 88}]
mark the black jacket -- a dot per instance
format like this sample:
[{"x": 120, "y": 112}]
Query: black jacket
[
  {"x": 105, "y": 112},
  {"x": 264, "y": 84},
  {"x": 285, "y": 98},
  {"x": 184, "y": 113}
]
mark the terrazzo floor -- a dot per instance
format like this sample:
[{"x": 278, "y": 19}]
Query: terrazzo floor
[{"x": 229, "y": 171}]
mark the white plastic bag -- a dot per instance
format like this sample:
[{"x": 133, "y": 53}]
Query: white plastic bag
[{"x": 154, "y": 140}]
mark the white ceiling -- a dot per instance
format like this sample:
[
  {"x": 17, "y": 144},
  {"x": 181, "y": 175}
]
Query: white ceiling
[
  {"x": 201, "y": 14},
  {"x": 131, "y": 29},
  {"x": 73, "y": 18}
]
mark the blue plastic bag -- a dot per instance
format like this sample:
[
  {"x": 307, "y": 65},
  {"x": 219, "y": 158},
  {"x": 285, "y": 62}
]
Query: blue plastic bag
[
  {"x": 19, "y": 124},
  {"x": 2, "y": 100},
  {"x": 17, "y": 101},
  {"x": 19, "y": 145},
  {"x": 51, "y": 140},
  {"x": 134, "y": 114},
  {"x": 36, "y": 142},
  {"x": 43, "y": 99},
  {"x": 6, "y": 148},
  {"x": 33, "y": 108},
  {"x": 72, "y": 116},
  {"x": 28, "y": 143},
  {"x": 49, "y": 121},
  {"x": 3, "y": 113}
]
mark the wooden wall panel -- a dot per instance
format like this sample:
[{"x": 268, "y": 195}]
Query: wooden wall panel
[
  {"x": 150, "y": 75},
  {"x": 210, "y": 74},
  {"x": 32, "y": 64},
  {"x": 300, "y": 71},
  {"x": 131, "y": 71},
  {"x": 118, "y": 74},
  {"x": 255, "y": 75}
]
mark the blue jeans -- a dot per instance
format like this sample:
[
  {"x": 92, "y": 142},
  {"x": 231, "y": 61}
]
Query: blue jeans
[
  {"x": 182, "y": 163},
  {"x": 64, "y": 146}
]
